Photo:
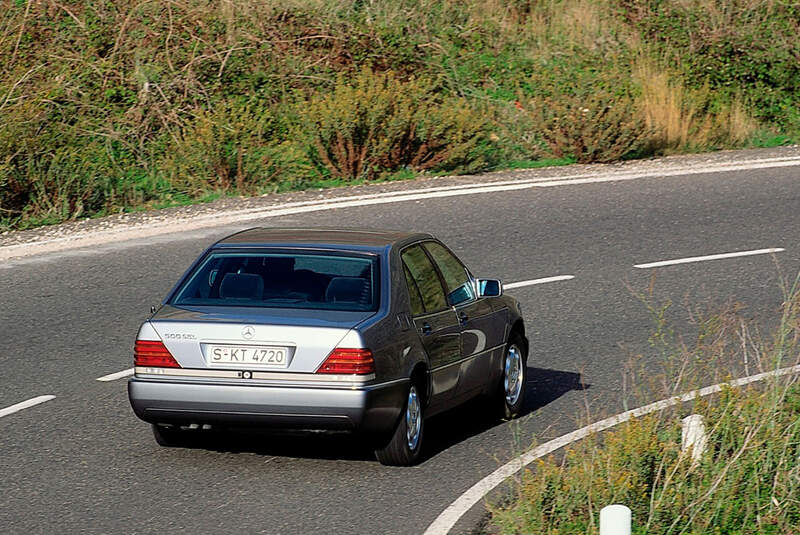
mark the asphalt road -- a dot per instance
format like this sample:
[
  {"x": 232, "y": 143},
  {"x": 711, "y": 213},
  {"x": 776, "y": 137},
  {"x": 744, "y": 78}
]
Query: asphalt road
[{"x": 83, "y": 463}]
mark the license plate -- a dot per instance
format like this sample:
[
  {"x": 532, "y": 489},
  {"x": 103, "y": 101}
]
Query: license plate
[{"x": 277, "y": 357}]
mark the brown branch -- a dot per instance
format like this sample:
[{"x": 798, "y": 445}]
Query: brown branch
[
  {"x": 166, "y": 41},
  {"x": 122, "y": 29},
  {"x": 302, "y": 39},
  {"x": 18, "y": 82},
  {"x": 77, "y": 21},
  {"x": 214, "y": 54}
]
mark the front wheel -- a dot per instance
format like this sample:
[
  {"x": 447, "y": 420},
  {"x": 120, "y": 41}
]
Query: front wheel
[
  {"x": 511, "y": 391},
  {"x": 406, "y": 443}
]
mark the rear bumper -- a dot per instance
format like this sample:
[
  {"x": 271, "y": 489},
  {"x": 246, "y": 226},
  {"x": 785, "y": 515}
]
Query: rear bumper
[{"x": 372, "y": 409}]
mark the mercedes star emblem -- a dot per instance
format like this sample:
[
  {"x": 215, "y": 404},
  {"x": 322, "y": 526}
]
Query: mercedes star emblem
[{"x": 248, "y": 332}]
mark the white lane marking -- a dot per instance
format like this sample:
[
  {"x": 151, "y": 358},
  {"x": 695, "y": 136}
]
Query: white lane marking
[
  {"x": 520, "y": 284},
  {"x": 217, "y": 219},
  {"x": 708, "y": 257},
  {"x": 448, "y": 518},
  {"x": 116, "y": 375},
  {"x": 24, "y": 405}
]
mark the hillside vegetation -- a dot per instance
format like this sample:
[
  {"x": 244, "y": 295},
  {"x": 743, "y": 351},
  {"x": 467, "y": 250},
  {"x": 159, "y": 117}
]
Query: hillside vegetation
[
  {"x": 111, "y": 105},
  {"x": 746, "y": 479}
]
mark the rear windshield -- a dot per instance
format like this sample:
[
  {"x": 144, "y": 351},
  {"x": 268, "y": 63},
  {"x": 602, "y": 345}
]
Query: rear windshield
[{"x": 327, "y": 281}]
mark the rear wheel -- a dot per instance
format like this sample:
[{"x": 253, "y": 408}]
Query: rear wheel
[
  {"x": 511, "y": 391},
  {"x": 406, "y": 443},
  {"x": 173, "y": 436}
]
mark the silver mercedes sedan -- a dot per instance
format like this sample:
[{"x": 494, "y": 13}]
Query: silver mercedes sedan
[{"x": 320, "y": 329}]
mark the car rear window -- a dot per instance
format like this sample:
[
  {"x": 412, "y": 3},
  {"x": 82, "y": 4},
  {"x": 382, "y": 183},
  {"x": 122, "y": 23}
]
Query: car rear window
[{"x": 327, "y": 281}]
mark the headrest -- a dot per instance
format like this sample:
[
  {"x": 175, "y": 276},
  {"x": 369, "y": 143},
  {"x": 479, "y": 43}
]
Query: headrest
[
  {"x": 352, "y": 289},
  {"x": 241, "y": 286}
]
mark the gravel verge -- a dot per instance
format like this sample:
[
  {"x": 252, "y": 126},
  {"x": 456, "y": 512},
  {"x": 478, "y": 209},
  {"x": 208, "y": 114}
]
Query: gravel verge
[{"x": 125, "y": 226}]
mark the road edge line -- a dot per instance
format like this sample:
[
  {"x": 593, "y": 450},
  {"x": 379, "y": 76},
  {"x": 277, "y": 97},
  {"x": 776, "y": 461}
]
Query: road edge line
[{"x": 211, "y": 220}]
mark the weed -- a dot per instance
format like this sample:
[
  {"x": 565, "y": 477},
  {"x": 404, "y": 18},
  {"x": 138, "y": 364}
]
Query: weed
[
  {"x": 746, "y": 480},
  {"x": 376, "y": 124},
  {"x": 145, "y": 103}
]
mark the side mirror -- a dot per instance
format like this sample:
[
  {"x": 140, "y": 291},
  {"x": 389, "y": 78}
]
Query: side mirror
[{"x": 489, "y": 288}]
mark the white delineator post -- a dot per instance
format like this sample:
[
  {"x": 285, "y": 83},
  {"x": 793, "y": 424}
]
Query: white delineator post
[
  {"x": 615, "y": 520},
  {"x": 694, "y": 436}
]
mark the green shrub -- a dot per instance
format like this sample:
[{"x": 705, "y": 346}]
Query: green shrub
[
  {"x": 233, "y": 147},
  {"x": 746, "y": 482},
  {"x": 593, "y": 118},
  {"x": 377, "y": 123},
  {"x": 140, "y": 101},
  {"x": 732, "y": 46},
  {"x": 51, "y": 170}
]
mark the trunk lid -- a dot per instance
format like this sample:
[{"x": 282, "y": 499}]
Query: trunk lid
[{"x": 193, "y": 334}]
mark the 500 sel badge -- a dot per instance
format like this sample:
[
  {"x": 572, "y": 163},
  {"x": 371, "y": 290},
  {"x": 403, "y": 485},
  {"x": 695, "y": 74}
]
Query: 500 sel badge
[{"x": 179, "y": 336}]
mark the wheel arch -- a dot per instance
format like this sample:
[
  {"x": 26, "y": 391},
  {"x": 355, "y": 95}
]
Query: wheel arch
[
  {"x": 421, "y": 378},
  {"x": 518, "y": 327}
]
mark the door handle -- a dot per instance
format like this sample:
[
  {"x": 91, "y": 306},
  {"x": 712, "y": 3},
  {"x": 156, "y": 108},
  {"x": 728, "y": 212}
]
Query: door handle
[
  {"x": 462, "y": 317},
  {"x": 426, "y": 328}
]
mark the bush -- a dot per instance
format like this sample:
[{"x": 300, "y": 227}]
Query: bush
[
  {"x": 731, "y": 46},
  {"x": 594, "y": 119},
  {"x": 150, "y": 103},
  {"x": 747, "y": 480},
  {"x": 233, "y": 147},
  {"x": 52, "y": 170},
  {"x": 597, "y": 128},
  {"x": 377, "y": 123}
]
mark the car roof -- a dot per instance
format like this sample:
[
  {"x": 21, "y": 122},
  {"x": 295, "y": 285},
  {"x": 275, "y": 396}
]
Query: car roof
[{"x": 337, "y": 238}]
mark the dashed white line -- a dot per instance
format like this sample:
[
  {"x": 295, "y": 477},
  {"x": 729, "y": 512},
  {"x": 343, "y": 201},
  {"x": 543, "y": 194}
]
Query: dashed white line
[
  {"x": 116, "y": 375},
  {"x": 708, "y": 257},
  {"x": 448, "y": 518},
  {"x": 520, "y": 284},
  {"x": 24, "y": 405}
]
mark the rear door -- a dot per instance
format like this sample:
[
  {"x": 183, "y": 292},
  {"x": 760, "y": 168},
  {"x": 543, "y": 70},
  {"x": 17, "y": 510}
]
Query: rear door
[
  {"x": 435, "y": 321},
  {"x": 482, "y": 329}
]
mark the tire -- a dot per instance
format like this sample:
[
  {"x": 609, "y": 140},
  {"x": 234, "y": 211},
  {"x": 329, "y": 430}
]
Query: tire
[
  {"x": 172, "y": 436},
  {"x": 510, "y": 395},
  {"x": 405, "y": 445}
]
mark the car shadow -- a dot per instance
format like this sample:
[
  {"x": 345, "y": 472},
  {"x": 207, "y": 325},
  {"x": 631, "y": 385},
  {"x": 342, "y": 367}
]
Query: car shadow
[
  {"x": 288, "y": 444},
  {"x": 441, "y": 431},
  {"x": 542, "y": 387}
]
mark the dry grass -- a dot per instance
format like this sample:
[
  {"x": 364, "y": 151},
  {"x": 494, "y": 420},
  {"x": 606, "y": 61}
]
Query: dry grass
[
  {"x": 128, "y": 96},
  {"x": 679, "y": 118},
  {"x": 746, "y": 482}
]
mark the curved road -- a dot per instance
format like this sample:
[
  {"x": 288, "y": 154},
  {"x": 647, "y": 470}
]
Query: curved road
[{"x": 83, "y": 463}]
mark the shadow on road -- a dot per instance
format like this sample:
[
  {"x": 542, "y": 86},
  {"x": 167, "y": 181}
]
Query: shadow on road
[
  {"x": 545, "y": 386},
  {"x": 477, "y": 416},
  {"x": 298, "y": 444},
  {"x": 441, "y": 431}
]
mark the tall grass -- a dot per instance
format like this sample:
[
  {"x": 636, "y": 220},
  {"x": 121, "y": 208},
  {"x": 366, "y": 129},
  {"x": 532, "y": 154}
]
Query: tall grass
[
  {"x": 747, "y": 480},
  {"x": 107, "y": 106}
]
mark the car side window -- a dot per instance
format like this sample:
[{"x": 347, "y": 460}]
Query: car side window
[
  {"x": 417, "y": 307},
  {"x": 455, "y": 275},
  {"x": 424, "y": 275}
]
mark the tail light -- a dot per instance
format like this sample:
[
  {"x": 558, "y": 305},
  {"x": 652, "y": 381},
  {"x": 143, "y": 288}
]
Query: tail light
[
  {"x": 153, "y": 353},
  {"x": 349, "y": 361}
]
